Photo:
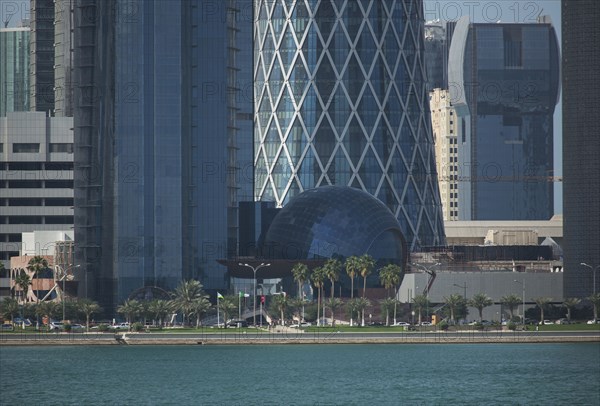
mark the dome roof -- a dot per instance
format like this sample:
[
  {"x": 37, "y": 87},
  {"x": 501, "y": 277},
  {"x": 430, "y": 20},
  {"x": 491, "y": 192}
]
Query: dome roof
[{"x": 334, "y": 221}]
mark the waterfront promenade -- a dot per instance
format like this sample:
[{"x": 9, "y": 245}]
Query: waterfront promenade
[{"x": 325, "y": 336}]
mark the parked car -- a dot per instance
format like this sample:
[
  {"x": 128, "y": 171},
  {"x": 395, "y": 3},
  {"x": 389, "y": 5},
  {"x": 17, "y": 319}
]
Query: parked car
[
  {"x": 7, "y": 326},
  {"x": 546, "y": 322},
  {"x": 19, "y": 321},
  {"x": 593, "y": 321},
  {"x": 401, "y": 324},
  {"x": 121, "y": 326},
  {"x": 425, "y": 323},
  {"x": 77, "y": 327},
  {"x": 562, "y": 321},
  {"x": 301, "y": 325},
  {"x": 56, "y": 325},
  {"x": 237, "y": 323}
]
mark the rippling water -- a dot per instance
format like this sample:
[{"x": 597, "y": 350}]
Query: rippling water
[{"x": 478, "y": 374}]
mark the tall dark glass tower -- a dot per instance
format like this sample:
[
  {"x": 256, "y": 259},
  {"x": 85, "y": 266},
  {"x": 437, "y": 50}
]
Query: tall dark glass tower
[
  {"x": 41, "y": 61},
  {"x": 156, "y": 164},
  {"x": 581, "y": 146},
  {"x": 340, "y": 99},
  {"x": 504, "y": 81}
]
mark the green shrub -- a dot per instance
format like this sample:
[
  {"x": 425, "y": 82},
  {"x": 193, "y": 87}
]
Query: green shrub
[
  {"x": 67, "y": 327},
  {"x": 478, "y": 326},
  {"x": 103, "y": 328},
  {"x": 512, "y": 326},
  {"x": 443, "y": 325},
  {"x": 137, "y": 327}
]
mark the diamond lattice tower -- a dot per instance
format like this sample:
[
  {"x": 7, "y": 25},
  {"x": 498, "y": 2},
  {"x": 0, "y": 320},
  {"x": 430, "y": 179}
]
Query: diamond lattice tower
[{"x": 340, "y": 99}]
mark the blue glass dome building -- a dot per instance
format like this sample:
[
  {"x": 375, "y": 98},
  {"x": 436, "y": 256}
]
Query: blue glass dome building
[
  {"x": 334, "y": 221},
  {"x": 340, "y": 99}
]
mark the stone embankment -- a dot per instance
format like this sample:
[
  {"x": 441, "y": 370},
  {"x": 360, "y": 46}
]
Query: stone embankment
[{"x": 295, "y": 337}]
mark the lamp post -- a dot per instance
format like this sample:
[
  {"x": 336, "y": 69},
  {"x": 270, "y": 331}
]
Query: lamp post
[
  {"x": 464, "y": 288},
  {"x": 523, "y": 285},
  {"x": 254, "y": 269},
  {"x": 64, "y": 278},
  {"x": 593, "y": 274}
]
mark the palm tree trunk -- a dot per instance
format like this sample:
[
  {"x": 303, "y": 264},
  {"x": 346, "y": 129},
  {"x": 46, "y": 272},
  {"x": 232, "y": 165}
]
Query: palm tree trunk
[
  {"x": 332, "y": 288},
  {"x": 351, "y": 288},
  {"x": 87, "y": 322},
  {"x": 318, "y": 305},
  {"x": 395, "y": 302},
  {"x": 364, "y": 286}
]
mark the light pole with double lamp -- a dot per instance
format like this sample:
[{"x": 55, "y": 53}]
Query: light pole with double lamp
[
  {"x": 254, "y": 269},
  {"x": 523, "y": 285},
  {"x": 64, "y": 278},
  {"x": 464, "y": 288},
  {"x": 593, "y": 275}
]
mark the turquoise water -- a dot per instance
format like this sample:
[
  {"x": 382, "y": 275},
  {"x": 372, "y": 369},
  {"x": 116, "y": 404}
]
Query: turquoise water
[{"x": 479, "y": 374}]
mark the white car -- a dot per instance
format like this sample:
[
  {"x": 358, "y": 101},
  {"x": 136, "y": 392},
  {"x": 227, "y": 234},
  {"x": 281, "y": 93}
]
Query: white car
[
  {"x": 301, "y": 325},
  {"x": 593, "y": 322},
  {"x": 56, "y": 325},
  {"x": 401, "y": 324},
  {"x": 121, "y": 326}
]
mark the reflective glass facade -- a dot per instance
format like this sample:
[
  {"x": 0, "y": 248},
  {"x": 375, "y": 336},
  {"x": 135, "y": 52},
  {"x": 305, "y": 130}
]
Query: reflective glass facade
[
  {"x": 14, "y": 70},
  {"x": 581, "y": 146},
  {"x": 340, "y": 99},
  {"x": 334, "y": 221},
  {"x": 156, "y": 131},
  {"x": 508, "y": 77}
]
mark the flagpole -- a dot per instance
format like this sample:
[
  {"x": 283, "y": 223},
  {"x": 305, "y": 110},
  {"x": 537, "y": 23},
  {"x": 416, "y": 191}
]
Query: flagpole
[
  {"x": 240, "y": 305},
  {"x": 218, "y": 318}
]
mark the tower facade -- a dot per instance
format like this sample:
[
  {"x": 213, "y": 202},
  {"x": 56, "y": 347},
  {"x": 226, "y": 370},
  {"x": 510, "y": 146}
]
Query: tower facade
[
  {"x": 156, "y": 167},
  {"x": 340, "y": 99},
  {"x": 41, "y": 62},
  {"x": 14, "y": 70},
  {"x": 581, "y": 146},
  {"x": 504, "y": 81}
]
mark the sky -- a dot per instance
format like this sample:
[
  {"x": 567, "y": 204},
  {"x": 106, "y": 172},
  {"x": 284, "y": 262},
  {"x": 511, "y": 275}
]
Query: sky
[{"x": 505, "y": 11}]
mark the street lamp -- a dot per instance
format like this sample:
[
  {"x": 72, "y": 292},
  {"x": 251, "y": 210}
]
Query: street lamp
[
  {"x": 464, "y": 287},
  {"x": 254, "y": 269},
  {"x": 593, "y": 274},
  {"x": 523, "y": 285},
  {"x": 64, "y": 278}
]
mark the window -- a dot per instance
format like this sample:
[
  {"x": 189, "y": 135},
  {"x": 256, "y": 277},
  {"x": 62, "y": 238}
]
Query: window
[
  {"x": 26, "y": 148},
  {"x": 62, "y": 147},
  {"x": 59, "y": 184}
]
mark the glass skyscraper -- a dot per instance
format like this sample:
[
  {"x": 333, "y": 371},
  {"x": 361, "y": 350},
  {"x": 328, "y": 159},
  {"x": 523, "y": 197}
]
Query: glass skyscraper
[
  {"x": 504, "y": 82},
  {"x": 340, "y": 99},
  {"x": 581, "y": 146},
  {"x": 156, "y": 166},
  {"x": 14, "y": 70}
]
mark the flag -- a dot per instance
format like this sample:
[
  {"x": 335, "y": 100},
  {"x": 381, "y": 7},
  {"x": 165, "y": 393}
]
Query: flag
[
  {"x": 242, "y": 294},
  {"x": 219, "y": 296}
]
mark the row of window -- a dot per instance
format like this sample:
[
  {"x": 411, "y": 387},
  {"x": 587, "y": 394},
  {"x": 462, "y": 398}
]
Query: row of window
[
  {"x": 36, "y": 166},
  {"x": 37, "y": 202},
  {"x": 36, "y": 220},
  {"x": 34, "y": 148},
  {"x": 37, "y": 184}
]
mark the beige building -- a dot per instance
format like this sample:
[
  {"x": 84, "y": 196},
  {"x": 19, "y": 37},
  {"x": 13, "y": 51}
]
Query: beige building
[{"x": 445, "y": 131}]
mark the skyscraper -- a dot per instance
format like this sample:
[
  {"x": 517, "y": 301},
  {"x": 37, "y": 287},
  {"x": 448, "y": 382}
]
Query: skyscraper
[
  {"x": 156, "y": 135},
  {"x": 41, "y": 62},
  {"x": 504, "y": 81},
  {"x": 340, "y": 99},
  {"x": 14, "y": 70},
  {"x": 581, "y": 146}
]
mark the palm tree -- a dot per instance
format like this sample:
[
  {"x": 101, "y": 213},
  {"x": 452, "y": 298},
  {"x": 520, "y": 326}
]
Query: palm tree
[
  {"x": 387, "y": 305},
  {"x": 280, "y": 302},
  {"x": 334, "y": 303},
  {"x": 23, "y": 281},
  {"x": 88, "y": 307},
  {"x": 420, "y": 303},
  {"x": 130, "y": 309},
  {"x": 318, "y": 279},
  {"x": 37, "y": 265},
  {"x": 185, "y": 295},
  {"x": 361, "y": 304},
  {"x": 199, "y": 307},
  {"x": 332, "y": 269},
  {"x": 512, "y": 302},
  {"x": 480, "y": 301},
  {"x": 352, "y": 265},
  {"x": 595, "y": 299},
  {"x": 297, "y": 304},
  {"x": 390, "y": 276},
  {"x": 9, "y": 308},
  {"x": 159, "y": 309},
  {"x": 570, "y": 303},
  {"x": 453, "y": 302},
  {"x": 301, "y": 273},
  {"x": 367, "y": 263},
  {"x": 228, "y": 305},
  {"x": 542, "y": 303}
]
